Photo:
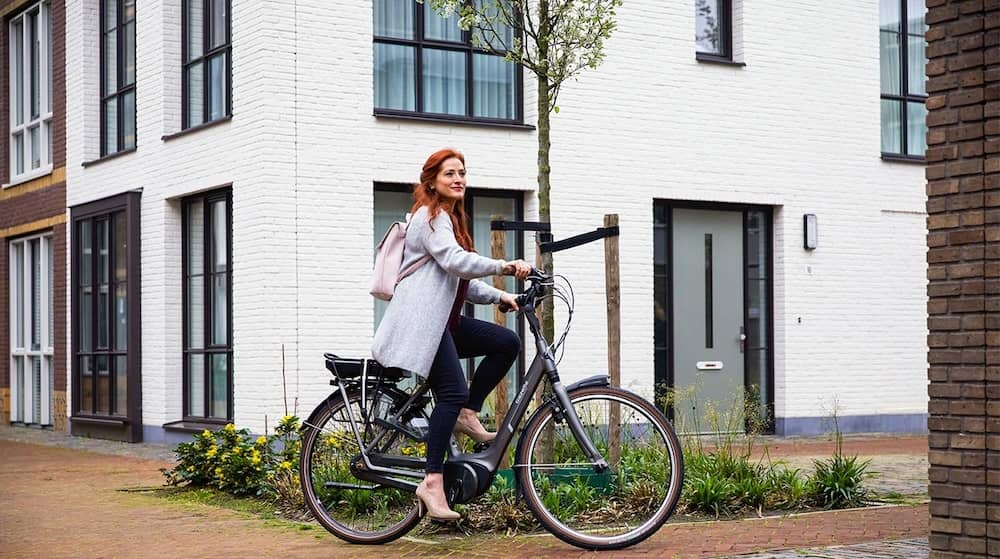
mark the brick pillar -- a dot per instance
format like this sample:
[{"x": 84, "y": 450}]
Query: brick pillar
[{"x": 963, "y": 206}]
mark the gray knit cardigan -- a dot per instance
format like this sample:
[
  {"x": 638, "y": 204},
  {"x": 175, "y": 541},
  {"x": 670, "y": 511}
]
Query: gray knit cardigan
[{"x": 411, "y": 329}]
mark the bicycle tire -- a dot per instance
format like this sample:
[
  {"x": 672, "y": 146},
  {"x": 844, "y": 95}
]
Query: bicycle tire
[
  {"x": 360, "y": 516},
  {"x": 635, "y": 490}
]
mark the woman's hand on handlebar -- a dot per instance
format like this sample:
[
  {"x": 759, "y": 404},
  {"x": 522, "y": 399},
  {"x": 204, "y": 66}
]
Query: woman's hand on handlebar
[
  {"x": 508, "y": 302},
  {"x": 517, "y": 268}
]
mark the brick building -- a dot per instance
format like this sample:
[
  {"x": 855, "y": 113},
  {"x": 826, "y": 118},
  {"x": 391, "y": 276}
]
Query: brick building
[
  {"x": 232, "y": 164},
  {"x": 33, "y": 379}
]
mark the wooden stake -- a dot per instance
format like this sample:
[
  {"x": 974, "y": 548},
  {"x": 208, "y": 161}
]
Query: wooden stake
[
  {"x": 500, "y": 405},
  {"x": 612, "y": 288}
]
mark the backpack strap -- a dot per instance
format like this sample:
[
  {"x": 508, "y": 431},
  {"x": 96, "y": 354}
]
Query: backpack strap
[{"x": 416, "y": 265}]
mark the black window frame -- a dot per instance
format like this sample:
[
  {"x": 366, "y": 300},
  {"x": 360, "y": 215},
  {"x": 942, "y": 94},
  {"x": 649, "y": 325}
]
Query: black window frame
[
  {"x": 725, "y": 53},
  {"x": 905, "y": 97},
  {"x": 125, "y": 426},
  {"x": 418, "y": 42},
  {"x": 123, "y": 88},
  {"x": 207, "y": 53},
  {"x": 207, "y": 348}
]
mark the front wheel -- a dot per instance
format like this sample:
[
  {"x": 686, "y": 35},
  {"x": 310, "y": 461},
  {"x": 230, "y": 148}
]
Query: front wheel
[{"x": 601, "y": 510}]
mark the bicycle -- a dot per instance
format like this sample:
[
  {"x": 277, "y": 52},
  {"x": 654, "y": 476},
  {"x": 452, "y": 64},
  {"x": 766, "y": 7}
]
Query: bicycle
[{"x": 587, "y": 442}]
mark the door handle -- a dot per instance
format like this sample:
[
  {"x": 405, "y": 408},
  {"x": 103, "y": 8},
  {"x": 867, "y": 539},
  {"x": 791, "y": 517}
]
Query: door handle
[{"x": 743, "y": 339}]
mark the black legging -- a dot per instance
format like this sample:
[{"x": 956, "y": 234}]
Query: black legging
[{"x": 470, "y": 338}]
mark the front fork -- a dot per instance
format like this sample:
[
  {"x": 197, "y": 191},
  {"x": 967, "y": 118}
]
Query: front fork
[{"x": 563, "y": 408}]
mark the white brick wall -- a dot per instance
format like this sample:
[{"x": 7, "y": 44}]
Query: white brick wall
[{"x": 796, "y": 129}]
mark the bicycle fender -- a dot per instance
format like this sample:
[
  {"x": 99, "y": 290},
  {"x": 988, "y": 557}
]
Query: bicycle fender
[{"x": 589, "y": 382}]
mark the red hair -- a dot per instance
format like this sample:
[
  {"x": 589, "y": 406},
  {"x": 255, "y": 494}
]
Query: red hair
[{"x": 425, "y": 195}]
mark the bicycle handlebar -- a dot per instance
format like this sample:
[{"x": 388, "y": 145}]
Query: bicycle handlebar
[{"x": 535, "y": 277}]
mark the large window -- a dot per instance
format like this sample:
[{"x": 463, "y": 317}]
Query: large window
[
  {"x": 105, "y": 318},
  {"x": 31, "y": 329},
  {"x": 207, "y": 61},
  {"x": 117, "y": 76},
  {"x": 425, "y": 64},
  {"x": 31, "y": 92},
  {"x": 901, "y": 46},
  {"x": 713, "y": 29},
  {"x": 208, "y": 345}
]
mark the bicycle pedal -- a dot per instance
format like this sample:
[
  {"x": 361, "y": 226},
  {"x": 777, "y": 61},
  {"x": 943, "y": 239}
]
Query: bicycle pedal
[{"x": 479, "y": 447}]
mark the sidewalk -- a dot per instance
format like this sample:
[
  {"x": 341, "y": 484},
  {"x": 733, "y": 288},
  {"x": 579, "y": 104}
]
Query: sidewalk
[{"x": 63, "y": 498}]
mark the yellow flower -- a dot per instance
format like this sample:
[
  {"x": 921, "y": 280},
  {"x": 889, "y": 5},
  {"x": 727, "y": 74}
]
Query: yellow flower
[
  {"x": 237, "y": 450},
  {"x": 256, "y": 457},
  {"x": 190, "y": 468},
  {"x": 218, "y": 472},
  {"x": 262, "y": 440},
  {"x": 285, "y": 465},
  {"x": 230, "y": 427},
  {"x": 206, "y": 433},
  {"x": 212, "y": 451}
]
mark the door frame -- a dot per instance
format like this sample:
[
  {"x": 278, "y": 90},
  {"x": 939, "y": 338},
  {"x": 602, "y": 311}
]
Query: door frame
[{"x": 664, "y": 379}]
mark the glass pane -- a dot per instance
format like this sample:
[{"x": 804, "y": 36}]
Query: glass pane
[
  {"x": 493, "y": 87},
  {"x": 36, "y": 390},
  {"x": 889, "y": 14},
  {"x": 110, "y": 13},
  {"x": 389, "y": 207},
  {"x": 102, "y": 316},
  {"x": 121, "y": 247},
  {"x": 121, "y": 385},
  {"x": 111, "y": 125},
  {"x": 48, "y": 141},
  {"x": 86, "y": 385},
  {"x": 34, "y": 133},
  {"x": 440, "y": 29},
  {"x": 129, "y": 54},
  {"x": 121, "y": 317},
  {"x": 84, "y": 240},
  {"x": 129, "y": 14},
  {"x": 50, "y": 264},
  {"x": 218, "y": 82},
  {"x": 218, "y": 22},
  {"x": 195, "y": 237},
  {"x": 196, "y": 385},
  {"x": 17, "y": 57},
  {"x": 892, "y": 126},
  {"x": 889, "y": 58},
  {"x": 501, "y": 36},
  {"x": 915, "y": 10},
  {"x": 17, "y": 389},
  {"x": 195, "y": 29},
  {"x": 917, "y": 69},
  {"x": 220, "y": 310},
  {"x": 110, "y": 63},
  {"x": 196, "y": 312},
  {"x": 48, "y": 63},
  {"x": 708, "y": 27},
  {"x": 394, "y": 18},
  {"x": 220, "y": 390},
  {"x": 394, "y": 77},
  {"x": 444, "y": 82},
  {"x": 18, "y": 153},
  {"x": 86, "y": 325},
  {"x": 128, "y": 126},
  {"x": 916, "y": 128},
  {"x": 35, "y": 313},
  {"x": 220, "y": 236},
  {"x": 34, "y": 62},
  {"x": 17, "y": 284},
  {"x": 195, "y": 94},
  {"x": 102, "y": 251},
  {"x": 103, "y": 382}
]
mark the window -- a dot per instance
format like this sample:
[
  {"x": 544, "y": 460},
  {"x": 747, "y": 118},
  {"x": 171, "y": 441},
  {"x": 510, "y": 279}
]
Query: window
[
  {"x": 31, "y": 92},
  {"x": 105, "y": 318},
  {"x": 207, "y": 61},
  {"x": 208, "y": 346},
  {"x": 117, "y": 76},
  {"x": 425, "y": 64},
  {"x": 904, "y": 116},
  {"x": 713, "y": 29},
  {"x": 31, "y": 311}
]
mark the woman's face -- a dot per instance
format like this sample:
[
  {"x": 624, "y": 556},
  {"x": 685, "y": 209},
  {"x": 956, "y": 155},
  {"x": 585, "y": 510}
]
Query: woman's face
[{"x": 450, "y": 181}]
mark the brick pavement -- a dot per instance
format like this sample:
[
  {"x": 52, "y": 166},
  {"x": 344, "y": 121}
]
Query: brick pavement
[
  {"x": 52, "y": 491},
  {"x": 903, "y": 549}
]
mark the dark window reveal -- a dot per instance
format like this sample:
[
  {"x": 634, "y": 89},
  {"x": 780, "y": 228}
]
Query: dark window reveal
[
  {"x": 207, "y": 61},
  {"x": 117, "y": 76}
]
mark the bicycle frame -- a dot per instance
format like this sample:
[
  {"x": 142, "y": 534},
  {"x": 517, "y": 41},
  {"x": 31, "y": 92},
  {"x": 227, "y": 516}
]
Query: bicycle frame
[{"x": 383, "y": 469}]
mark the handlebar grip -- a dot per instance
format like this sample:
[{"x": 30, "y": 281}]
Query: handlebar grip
[{"x": 504, "y": 307}]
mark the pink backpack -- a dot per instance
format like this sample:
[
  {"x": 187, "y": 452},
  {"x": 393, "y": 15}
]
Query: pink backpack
[{"x": 389, "y": 258}]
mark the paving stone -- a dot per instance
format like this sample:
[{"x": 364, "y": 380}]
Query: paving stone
[{"x": 902, "y": 549}]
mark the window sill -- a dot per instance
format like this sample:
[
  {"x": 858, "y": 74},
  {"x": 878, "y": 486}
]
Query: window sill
[
  {"x": 898, "y": 158},
  {"x": 95, "y": 420},
  {"x": 108, "y": 157},
  {"x": 193, "y": 426},
  {"x": 716, "y": 59},
  {"x": 380, "y": 114},
  {"x": 196, "y": 128},
  {"x": 27, "y": 177}
]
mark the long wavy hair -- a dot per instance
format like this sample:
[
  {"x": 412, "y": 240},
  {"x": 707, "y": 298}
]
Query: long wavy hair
[{"x": 425, "y": 195}]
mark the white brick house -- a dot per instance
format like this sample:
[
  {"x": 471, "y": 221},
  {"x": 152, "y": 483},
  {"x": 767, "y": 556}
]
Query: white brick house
[{"x": 782, "y": 122}]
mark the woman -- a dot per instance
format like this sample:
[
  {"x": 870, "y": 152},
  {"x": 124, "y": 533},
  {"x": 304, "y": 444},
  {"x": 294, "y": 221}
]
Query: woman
[{"x": 423, "y": 331}]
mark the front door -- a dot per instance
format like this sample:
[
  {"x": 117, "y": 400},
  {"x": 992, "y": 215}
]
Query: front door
[{"x": 708, "y": 310}]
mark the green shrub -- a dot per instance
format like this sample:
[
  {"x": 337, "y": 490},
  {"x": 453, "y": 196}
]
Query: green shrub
[{"x": 839, "y": 482}]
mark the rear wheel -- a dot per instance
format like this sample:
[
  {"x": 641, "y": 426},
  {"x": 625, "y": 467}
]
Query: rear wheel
[
  {"x": 601, "y": 510},
  {"x": 354, "y": 510}
]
